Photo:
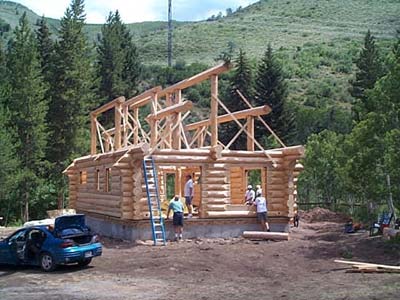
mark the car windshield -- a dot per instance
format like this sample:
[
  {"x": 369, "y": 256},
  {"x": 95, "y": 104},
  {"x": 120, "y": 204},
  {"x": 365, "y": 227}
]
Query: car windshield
[{"x": 17, "y": 236}]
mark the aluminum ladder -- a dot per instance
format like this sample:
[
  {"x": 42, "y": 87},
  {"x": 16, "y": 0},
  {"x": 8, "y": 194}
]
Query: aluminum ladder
[{"x": 153, "y": 200}]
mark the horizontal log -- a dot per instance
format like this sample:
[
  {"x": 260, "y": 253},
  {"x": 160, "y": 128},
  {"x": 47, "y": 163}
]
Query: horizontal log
[
  {"x": 99, "y": 196},
  {"x": 243, "y": 114},
  {"x": 176, "y": 108},
  {"x": 215, "y": 194},
  {"x": 142, "y": 99},
  {"x": 230, "y": 214},
  {"x": 111, "y": 214},
  {"x": 282, "y": 236},
  {"x": 107, "y": 106},
  {"x": 216, "y": 187},
  {"x": 195, "y": 79},
  {"x": 215, "y": 180}
]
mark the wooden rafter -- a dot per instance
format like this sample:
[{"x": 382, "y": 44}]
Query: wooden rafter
[
  {"x": 261, "y": 119},
  {"x": 243, "y": 114},
  {"x": 195, "y": 79}
]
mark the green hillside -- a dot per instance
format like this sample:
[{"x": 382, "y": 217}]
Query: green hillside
[{"x": 316, "y": 40}]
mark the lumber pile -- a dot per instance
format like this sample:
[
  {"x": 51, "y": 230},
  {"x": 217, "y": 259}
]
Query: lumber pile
[
  {"x": 361, "y": 267},
  {"x": 263, "y": 235}
]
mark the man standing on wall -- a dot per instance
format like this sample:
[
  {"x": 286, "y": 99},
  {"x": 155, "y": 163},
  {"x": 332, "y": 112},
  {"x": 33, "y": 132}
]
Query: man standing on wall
[
  {"x": 261, "y": 204},
  {"x": 177, "y": 207},
  {"x": 189, "y": 192}
]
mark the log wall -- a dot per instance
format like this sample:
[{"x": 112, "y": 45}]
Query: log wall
[
  {"x": 215, "y": 193},
  {"x": 93, "y": 196}
]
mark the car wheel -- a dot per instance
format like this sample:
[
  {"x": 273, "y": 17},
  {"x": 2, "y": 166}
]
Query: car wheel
[
  {"x": 47, "y": 262},
  {"x": 85, "y": 262}
]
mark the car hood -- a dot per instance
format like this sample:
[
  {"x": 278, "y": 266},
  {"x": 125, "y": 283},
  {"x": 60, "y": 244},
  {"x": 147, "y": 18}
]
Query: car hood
[{"x": 69, "y": 221}]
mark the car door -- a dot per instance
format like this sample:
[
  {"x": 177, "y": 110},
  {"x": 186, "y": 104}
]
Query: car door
[{"x": 12, "y": 248}]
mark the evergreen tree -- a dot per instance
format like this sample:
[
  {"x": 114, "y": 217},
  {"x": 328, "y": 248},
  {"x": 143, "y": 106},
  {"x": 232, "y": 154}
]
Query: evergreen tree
[
  {"x": 369, "y": 71},
  {"x": 118, "y": 64},
  {"x": 242, "y": 80},
  {"x": 27, "y": 109},
  {"x": 8, "y": 167},
  {"x": 271, "y": 89},
  {"x": 72, "y": 95},
  {"x": 46, "y": 50}
]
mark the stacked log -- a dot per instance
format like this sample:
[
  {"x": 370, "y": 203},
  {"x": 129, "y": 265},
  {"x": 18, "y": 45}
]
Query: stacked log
[
  {"x": 277, "y": 191},
  {"x": 139, "y": 190},
  {"x": 215, "y": 190},
  {"x": 73, "y": 177},
  {"x": 238, "y": 187},
  {"x": 104, "y": 202}
]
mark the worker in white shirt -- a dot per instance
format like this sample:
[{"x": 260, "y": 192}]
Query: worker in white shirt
[
  {"x": 249, "y": 195},
  {"x": 262, "y": 211},
  {"x": 189, "y": 193}
]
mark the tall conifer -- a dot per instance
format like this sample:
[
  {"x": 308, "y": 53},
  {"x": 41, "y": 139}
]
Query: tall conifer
[
  {"x": 271, "y": 89},
  {"x": 72, "y": 95},
  {"x": 27, "y": 109},
  {"x": 241, "y": 80},
  {"x": 118, "y": 64},
  {"x": 369, "y": 71}
]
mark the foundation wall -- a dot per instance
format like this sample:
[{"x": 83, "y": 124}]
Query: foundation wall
[{"x": 200, "y": 228}]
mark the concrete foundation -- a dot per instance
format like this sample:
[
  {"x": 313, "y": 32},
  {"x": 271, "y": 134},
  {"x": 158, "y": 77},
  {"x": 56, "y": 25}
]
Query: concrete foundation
[{"x": 193, "y": 228}]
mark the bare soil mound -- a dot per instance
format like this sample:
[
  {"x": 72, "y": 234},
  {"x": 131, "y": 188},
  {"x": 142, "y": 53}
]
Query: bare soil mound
[{"x": 319, "y": 214}]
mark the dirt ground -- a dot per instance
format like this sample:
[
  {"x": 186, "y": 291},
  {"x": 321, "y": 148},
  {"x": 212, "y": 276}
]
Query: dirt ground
[{"x": 301, "y": 268}]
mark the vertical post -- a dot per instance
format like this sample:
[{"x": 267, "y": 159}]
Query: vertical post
[
  {"x": 176, "y": 135},
  {"x": 154, "y": 122},
  {"x": 178, "y": 181},
  {"x": 125, "y": 127},
  {"x": 93, "y": 134},
  {"x": 117, "y": 119},
  {"x": 214, "y": 111},
  {"x": 136, "y": 128},
  {"x": 169, "y": 120},
  {"x": 250, "y": 133}
]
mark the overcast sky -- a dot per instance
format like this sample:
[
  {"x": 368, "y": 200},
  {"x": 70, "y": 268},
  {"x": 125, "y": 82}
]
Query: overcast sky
[{"x": 137, "y": 10}]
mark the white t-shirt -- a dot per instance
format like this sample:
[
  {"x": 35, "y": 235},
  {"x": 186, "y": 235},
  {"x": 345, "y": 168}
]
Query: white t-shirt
[
  {"x": 261, "y": 204},
  {"x": 189, "y": 191},
  {"x": 250, "y": 195}
]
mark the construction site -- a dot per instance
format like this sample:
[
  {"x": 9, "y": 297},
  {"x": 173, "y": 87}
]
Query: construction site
[{"x": 121, "y": 185}]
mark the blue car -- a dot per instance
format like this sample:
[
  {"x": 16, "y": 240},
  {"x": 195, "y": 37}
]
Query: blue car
[{"x": 69, "y": 241}]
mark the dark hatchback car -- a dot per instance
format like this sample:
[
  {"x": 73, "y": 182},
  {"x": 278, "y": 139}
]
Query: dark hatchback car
[{"x": 69, "y": 241}]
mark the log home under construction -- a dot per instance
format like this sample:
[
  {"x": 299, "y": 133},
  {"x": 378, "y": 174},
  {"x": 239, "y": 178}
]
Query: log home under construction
[{"x": 110, "y": 185}]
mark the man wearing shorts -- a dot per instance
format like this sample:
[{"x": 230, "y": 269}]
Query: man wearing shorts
[
  {"x": 189, "y": 192},
  {"x": 261, "y": 203},
  {"x": 177, "y": 207}
]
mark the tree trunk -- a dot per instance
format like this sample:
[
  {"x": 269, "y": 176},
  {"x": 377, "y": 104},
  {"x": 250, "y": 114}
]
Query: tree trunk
[{"x": 26, "y": 207}]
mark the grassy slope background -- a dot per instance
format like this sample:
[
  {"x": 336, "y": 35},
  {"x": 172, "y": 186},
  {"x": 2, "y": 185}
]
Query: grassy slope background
[{"x": 316, "y": 40}]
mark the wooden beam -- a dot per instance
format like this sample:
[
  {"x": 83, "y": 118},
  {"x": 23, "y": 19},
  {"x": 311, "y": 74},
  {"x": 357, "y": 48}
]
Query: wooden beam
[
  {"x": 154, "y": 122},
  {"x": 214, "y": 111},
  {"x": 262, "y": 121},
  {"x": 93, "y": 134},
  {"x": 143, "y": 98},
  {"x": 243, "y": 114},
  {"x": 250, "y": 136},
  {"x": 263, "y": 235},
  {"x": 176, "y": 133},
  {"x": 117, "y": 124},
  {"x": 176, "y": 108},
  {"x": 196, "y": 79},
  {"x": 136, "y": 128},
  {"x": 108, "y": 106}
]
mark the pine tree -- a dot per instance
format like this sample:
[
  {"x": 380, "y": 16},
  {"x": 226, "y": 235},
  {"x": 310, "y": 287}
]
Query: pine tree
[
  {"x": 46, "y": 50},
  {"x": 118, "y": 65},
  {"x": 27, "y": 109},
  {"x": 271, "y": 89},
  {"x": 72, "y": 95},
  {"x": 369, "y": 71},
  {"x": 242, "y": 80}
]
